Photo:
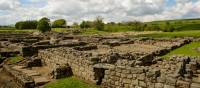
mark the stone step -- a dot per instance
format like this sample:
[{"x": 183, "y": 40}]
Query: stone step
[
  {"x": 195, "y": 85},
  {"x": 31, "y": 73},
  {"x": 19, "y": 68},
  {"x": 39, "y": 81},
  {"x": 196, "y": 79}
]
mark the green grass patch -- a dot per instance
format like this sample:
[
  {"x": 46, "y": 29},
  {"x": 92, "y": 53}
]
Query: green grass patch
[
  {"x": 186, "y": 50},
  {"x": 32, "y": 30},
  {"x": 18, "y": 31},
  {"x": 60, "y": 29},
  {"x": 15, "y": 59},
  {"x": 189, "y": 27},
  {"x": 71, "y": 82},
  {"x": 92, "y": 31},
  {"x": 117, "y": 28},
  {"x": 176, "y": 34}
]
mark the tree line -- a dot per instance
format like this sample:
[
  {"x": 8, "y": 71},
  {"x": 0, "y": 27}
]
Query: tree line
[
  {"x": 45, "y": 24},
  {"x": 32, "y": 24}
]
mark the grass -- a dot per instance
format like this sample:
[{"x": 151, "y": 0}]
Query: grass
[
  {"x": 92, "y": 31},
  {"x": 15, "y": 59},
  {"x": 30, "y": 30},
  {"x": 179, "y": 24},
  {"x": 60, "y": 29},
  {"x": 117, "y": 28},
  {"x": 17, "y": 30},
  {"x": 186, "y": 50},
  {"x": 71, "y": 82},
  {"x": 175, "y": 34}
]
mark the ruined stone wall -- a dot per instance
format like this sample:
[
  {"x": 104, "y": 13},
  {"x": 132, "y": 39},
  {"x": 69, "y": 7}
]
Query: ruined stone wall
[
  {"x": 80, "y": 65},
  {"x": 180, "y": 72},
  {"x": 23, "y": 80}
]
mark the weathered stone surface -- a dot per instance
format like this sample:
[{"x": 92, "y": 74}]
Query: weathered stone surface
[
  {"x": 182, "y": 84},
  {"x": 195, "y": 85},
  {"x": 23, "y": 80},
  {"x": 169, "y": 86},
  {"x": 159, "y": 85},
  {"x": 171, "y": 81},
  {"x": 142, "y": 84},
  {"x": 60, "y": 71},
  {"x": 40, "y": 81}
]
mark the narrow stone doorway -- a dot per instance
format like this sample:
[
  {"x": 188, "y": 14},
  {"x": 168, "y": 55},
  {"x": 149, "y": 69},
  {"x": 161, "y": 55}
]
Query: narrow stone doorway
[{"x": 99, "y": 75}]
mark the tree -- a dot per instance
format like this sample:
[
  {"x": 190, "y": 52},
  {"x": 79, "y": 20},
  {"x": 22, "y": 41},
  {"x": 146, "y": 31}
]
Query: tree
[
  {"x": 98, "y": 23},
  {"x": 26, "y": 24},
  {"x": 137, "y": 25},
  {"x": 43, "y": 25},
  {"x": 60, "y": 23},
  {"x": 45, "y": 19}
]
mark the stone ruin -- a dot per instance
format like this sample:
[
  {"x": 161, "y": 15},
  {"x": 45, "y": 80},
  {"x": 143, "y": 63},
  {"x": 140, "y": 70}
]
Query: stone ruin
[{"x": 111, "y": 62}]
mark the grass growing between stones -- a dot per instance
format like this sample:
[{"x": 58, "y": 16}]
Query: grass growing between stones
[
  {"x": 71, "y": 82},
  {"x": 175, "y": 34},
  {"x": 15, "y": 59},
  {"x": 186, "y": 50}
]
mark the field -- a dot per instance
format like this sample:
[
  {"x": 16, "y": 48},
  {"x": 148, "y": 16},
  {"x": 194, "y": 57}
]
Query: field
[
  {"x": 177, "y": 34},
  {"x": 30, "y": 30},
  {"x": 71, "y": 82},
  {"x": 179, "y": 25}
]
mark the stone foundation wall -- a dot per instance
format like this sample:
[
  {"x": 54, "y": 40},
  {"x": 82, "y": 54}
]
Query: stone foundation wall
[
  {"x": 180, "y": 72},
  {"x": 81, "y": 67}
]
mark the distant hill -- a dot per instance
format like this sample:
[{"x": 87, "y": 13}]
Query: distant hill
[{"x": 179, "y": 24}]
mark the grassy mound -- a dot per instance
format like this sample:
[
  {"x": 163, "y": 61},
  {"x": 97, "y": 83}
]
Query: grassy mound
[{"x": 71, "y": 82}]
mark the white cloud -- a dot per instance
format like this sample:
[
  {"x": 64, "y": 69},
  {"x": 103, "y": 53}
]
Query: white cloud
[
  {"x": 9, "y": 4},
  {"x": 111, "y": 10}
]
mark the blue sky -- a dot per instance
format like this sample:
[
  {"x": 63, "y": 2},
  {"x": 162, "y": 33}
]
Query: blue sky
[{"x": 12, "y": 11}]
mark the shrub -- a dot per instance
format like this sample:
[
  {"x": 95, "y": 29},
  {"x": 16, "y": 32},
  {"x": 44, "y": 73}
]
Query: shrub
[
  {"x": 75, "y": 25},
  {"x": 60, "y": 23},
  {"x": 86, "y": 24},
  {"x": 44, "y": 25}
]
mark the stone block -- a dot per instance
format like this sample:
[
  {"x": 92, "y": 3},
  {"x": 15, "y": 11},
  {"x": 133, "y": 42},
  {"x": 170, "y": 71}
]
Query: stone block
[
  {"x": 182, "y": 84},
  {"x": 127, "y": 81},
  {"x": 195, "y": 85},
  {"x": 142, "y": 84},
  {"x": 169, "y": 86},
  {"x": 135, "y": 82},
  {"x": 141, "y": 77},
  {"x": 159, "y": 85},
  {"x": 171, "y": 81}
]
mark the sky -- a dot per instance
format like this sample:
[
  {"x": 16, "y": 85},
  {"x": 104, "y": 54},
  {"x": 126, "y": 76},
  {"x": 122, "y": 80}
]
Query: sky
[{"x": 12, "y": 11}]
